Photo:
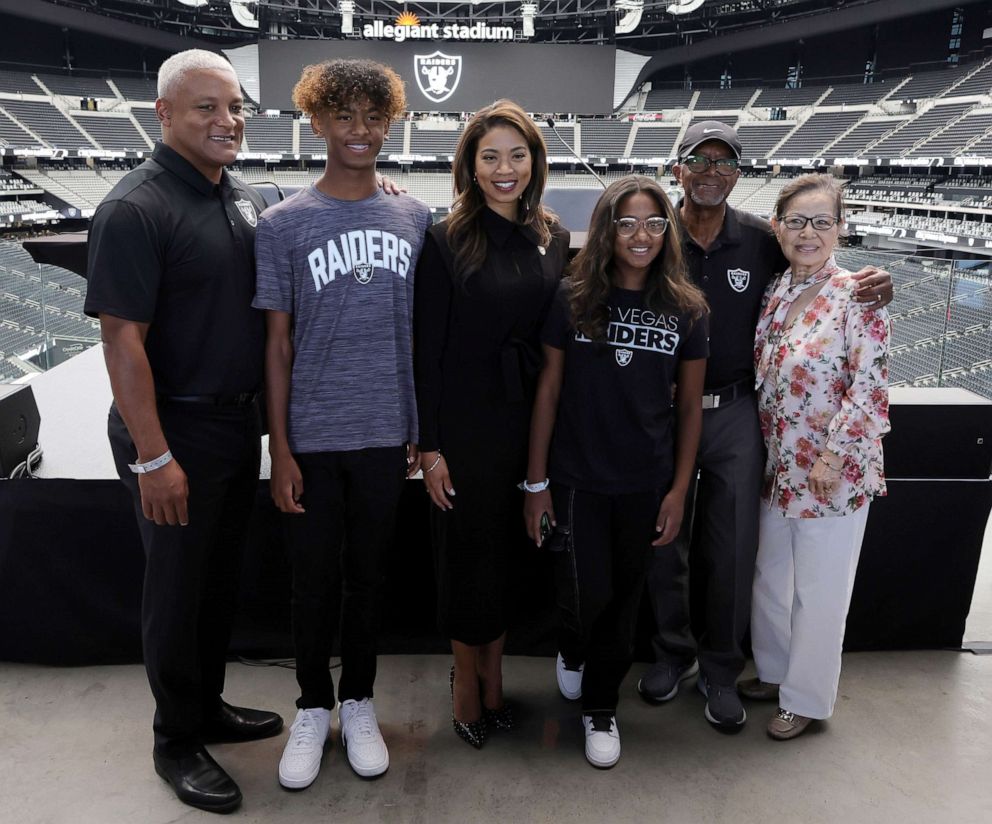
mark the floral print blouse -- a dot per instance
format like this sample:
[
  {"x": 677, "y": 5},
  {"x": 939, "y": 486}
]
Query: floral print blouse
[{"x": 822, "y": 384}]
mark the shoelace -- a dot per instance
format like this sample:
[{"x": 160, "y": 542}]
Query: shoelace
[
  {"x": 360, "y": 723},
  {"x": 602, "y": 724},
  {"x": 305, "y": 732}
]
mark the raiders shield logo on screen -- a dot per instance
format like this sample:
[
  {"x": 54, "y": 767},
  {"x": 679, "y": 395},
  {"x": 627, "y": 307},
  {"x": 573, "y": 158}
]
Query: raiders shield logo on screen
[
  {"x": 363, "y": 272},
  {"x": 437, "y": 74},
  {"x": 739, "y": 279},
  {"x": 624, "y": 356}
]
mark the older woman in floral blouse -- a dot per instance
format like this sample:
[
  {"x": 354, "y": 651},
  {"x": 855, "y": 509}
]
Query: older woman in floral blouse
[{"x": 821, "y": 361}]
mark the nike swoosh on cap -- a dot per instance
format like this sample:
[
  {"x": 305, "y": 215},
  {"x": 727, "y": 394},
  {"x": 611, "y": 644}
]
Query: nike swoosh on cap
[{"x": 707, "y": 131}]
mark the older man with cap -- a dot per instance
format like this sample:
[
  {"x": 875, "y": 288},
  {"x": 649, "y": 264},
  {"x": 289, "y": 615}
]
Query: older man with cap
[{"x": 731, "y": 255}]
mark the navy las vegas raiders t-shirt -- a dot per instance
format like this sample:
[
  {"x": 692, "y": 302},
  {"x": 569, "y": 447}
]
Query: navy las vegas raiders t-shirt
[{"x": 614, "y": 431}]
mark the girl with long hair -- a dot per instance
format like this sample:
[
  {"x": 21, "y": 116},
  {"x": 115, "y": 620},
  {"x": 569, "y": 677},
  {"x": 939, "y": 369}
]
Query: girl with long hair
[
  {"x": 484, "y": 284},
  {"x": 625, "y": 326}
]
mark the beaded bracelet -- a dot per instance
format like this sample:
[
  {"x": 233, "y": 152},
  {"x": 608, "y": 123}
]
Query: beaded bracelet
[{"x": 829, "y": 466}]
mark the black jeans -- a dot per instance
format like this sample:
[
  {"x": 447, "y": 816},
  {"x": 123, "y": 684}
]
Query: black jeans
[
  {"x": 191, "y": 572},
  {"x": 600, "y": 578},
  {"x": 337, "y": 550}
]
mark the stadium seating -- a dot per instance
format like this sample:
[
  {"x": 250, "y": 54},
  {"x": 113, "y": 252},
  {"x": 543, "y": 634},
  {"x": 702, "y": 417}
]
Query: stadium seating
[
  {"x": 269, "y": 134},
  {"x": 918, "y": 129},
  {"x": 810, "y": 138},
  {"x": 659, "y": 99},
  {"x": 112, "y": 131},
  {"x": 867, "y": 132},
  {"x": 604, "y": 138},
  {"x": 42, "y": 118},
  {"x": 76, "y": 86},
  {"x": 655, "y": 141}
]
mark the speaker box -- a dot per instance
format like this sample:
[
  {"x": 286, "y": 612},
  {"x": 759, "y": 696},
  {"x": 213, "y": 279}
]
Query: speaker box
[{"x": 19, "y": 425}]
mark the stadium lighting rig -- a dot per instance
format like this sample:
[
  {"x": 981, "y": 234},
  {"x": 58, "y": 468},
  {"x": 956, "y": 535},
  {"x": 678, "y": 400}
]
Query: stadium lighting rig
[{"x": 244, "y": 11}]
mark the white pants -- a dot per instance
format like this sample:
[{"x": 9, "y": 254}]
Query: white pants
[{"x": 803, "y": 578}]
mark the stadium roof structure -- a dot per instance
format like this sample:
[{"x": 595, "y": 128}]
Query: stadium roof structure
[{"x": 639, "y": 24}]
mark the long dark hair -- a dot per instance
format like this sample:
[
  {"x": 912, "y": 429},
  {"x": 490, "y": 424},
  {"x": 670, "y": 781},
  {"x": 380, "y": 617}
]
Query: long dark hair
[
  {"x": 591, "y": 273},
  {"x": 465, "y": 234}
]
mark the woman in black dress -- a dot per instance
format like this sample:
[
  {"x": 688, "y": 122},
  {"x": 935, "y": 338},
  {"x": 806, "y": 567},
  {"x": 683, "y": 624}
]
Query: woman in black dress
[{"x": 485, "y": 281}]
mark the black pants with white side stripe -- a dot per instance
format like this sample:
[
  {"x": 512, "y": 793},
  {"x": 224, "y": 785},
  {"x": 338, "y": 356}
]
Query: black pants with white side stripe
[{"x": 600, "y": 579}]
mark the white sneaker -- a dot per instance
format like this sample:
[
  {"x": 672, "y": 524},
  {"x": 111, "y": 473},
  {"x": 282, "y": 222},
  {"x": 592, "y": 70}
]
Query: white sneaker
[
  {"x": 569, "y": 680},
  {"x": 300, "y": 760},
  {"x": 362, "y": 740},
  {"x": 602, "y": 740}
]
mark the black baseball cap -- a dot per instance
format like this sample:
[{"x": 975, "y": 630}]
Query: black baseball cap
[{"x": 699, "y": 133}]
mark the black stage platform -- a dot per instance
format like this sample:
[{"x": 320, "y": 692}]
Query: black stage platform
[{"x": 71, "y": 562}]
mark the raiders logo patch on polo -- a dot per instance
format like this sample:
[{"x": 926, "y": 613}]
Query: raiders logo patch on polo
[
  {"x": 363, "y": 272},
  {"x": 247, "y": 210},
  {"x": 739, "y": 279},
  {"x": 624, "y": 356}
]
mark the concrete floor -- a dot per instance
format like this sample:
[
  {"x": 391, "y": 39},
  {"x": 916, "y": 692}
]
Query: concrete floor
[{"x": 910, "y": 741}]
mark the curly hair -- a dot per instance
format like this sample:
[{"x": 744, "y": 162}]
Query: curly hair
[
  {"x": 336, "y": 84},
  {"x": 591, "y": 273},
  {"x": 465, "y": 234}
]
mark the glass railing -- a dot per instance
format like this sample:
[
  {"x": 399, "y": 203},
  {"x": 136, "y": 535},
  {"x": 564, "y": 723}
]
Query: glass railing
[
  {"x": 41, "y": 315},
  {"x": 941, "y": 319}
]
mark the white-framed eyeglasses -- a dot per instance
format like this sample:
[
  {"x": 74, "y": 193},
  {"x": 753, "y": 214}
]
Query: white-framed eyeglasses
[
  {"x": 628, "y": 226},
  {"x": 821, "y": 223}
]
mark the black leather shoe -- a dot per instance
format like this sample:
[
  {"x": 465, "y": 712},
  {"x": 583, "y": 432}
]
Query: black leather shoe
[
  {"x": 199, "y": 781},
  {"x": 230, "y": 724}
]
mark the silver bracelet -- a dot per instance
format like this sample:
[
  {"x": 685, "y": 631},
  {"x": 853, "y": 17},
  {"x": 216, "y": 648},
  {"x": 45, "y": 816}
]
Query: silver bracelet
[
  {"x": 433, "y": 466},
  {"x": 538, "y": 487},
  {"x": 152, "y": 465}
]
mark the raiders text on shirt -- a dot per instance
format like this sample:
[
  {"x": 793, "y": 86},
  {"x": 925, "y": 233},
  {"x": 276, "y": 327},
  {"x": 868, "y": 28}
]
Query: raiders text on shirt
[
  {"x": 358, "y": 250},
  {"x": 641, "y": 329}
]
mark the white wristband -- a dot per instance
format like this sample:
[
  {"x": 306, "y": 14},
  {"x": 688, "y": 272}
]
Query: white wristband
[
  {"x": 538, "y": 487},
  {"x": 152, "y": 465}
]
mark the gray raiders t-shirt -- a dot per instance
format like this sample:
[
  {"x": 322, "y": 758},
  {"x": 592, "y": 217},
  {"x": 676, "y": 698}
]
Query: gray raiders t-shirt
[{"x": 344, "y": 270}]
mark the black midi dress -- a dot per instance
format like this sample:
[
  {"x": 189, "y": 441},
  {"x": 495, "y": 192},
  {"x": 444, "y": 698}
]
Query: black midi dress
[{"x": 477, "y": 355}]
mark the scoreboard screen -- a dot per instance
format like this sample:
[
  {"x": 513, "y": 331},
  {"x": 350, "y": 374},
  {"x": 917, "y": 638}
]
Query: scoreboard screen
[{"x": 454, "y": 76}]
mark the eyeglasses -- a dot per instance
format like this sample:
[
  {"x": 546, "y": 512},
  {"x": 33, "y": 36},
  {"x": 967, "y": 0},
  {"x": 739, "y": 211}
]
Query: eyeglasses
[
  {"x": 697, "y": 164},
  {"x": 628, "y": 226},
  {"x": 822, "y": 223}
]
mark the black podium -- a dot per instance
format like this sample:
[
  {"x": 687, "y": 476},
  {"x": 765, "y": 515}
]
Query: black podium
[{"x": 924, "y": 539}]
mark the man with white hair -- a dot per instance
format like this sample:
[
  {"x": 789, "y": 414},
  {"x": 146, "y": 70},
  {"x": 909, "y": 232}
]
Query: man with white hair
[{"x": 171, "y": 277}]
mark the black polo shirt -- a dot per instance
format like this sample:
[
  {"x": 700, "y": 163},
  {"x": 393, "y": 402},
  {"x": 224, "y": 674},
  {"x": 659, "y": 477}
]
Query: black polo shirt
[
  {"x": 169, "y": 248},
  {"x": 733, "y": 273}
]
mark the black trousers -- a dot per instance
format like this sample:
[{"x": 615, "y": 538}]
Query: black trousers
[
  {"x": 600, "y": 579},
  {"x": 338, "y": 550},
  {"x": 723, "y": 535},
  {"x": 191, "y": 572}
]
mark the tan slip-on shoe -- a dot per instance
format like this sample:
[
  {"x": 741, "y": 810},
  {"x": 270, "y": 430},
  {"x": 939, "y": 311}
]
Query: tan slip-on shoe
[{"x": 785, "y": 725}]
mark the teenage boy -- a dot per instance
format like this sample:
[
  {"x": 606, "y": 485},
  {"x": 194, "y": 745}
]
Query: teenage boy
[{"x": 335, "y": 275}]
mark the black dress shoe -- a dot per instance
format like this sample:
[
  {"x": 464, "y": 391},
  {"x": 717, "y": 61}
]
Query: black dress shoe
[
  {"x": 229, "y": 724},
  {"x": 199, "y": 781}
]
